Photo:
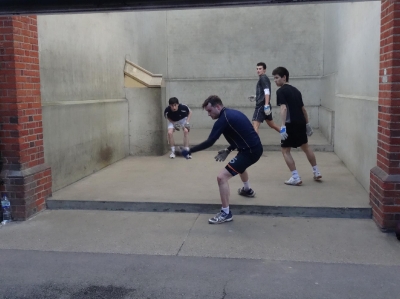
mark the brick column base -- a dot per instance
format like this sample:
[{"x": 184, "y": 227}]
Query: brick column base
[
  {"x": 385, "y": 199},
  {"x": 27, "y": 190}
]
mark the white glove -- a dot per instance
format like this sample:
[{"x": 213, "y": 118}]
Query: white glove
[
  {"x": 309, "y": 130},
  {"x": 222, "y": 154},
  {"x": 187, "y": 126},
  {"x": 267, "y": 110},
  {"x": 177, "y": 126},
  {"x": 283, "y": 133}
]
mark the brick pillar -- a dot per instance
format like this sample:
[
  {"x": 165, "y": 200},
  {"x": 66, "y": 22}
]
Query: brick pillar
[
  {"x": 385, "y": 177},
  {"x": 26, "y": 178}
]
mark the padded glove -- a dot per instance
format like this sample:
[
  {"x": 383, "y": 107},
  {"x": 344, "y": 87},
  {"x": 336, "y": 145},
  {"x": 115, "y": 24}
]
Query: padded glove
[
  {"x": 309, "y": 130},
  {"x": 187, "y": 126},
  {"x": 283, "y": 133},
  {"x": 222, "y": 154},
  {"x": 267, "y": 110},
  {"x": 177, "y": 126}
]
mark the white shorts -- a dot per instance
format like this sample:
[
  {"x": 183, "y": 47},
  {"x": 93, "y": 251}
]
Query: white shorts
[{"x": 182, "y": 122}]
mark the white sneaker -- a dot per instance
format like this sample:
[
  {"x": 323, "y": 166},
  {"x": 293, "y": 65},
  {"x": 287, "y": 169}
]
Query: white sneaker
[
  {"x": 317, "y": 176},
  {"x": 294, "y": 182},
  {"x": 172, "y": 156},
  {"x": 190, "y": 157}
]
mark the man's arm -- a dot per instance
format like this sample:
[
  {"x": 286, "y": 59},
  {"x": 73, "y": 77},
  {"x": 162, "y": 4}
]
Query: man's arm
[
  {"x": 283, "y": 114},
  {"x": 189, "y": 116},
  {"x": 305, "y": 114}
]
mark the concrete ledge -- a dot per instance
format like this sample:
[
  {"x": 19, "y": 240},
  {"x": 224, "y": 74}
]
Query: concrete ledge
[{"x": 318, "y": 212}]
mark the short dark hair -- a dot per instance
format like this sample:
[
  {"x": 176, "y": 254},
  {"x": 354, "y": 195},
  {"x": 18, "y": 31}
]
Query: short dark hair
[
  {"x": 213, "y": 100},
  {"x": 281, "y": 71},
  {"x": 262, "y": 64},
  {"x": 173, "y": 100}
]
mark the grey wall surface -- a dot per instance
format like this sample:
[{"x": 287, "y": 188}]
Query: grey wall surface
[
  {"x": 351, "y": 69},
  {"x": 82, "y": 56},
  {"x": 147, "y": 134},
  {"x": 215, "y": 51},
  {"x": 83, "y": 137},
  {"x": 82, "y": 59}
]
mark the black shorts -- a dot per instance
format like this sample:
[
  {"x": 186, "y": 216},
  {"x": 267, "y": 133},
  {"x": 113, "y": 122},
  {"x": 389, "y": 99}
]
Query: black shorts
[
  {"x": 244, "y": 160},
  {"x": 260, "y": 116},
  {"x": 297, "y": 135}
]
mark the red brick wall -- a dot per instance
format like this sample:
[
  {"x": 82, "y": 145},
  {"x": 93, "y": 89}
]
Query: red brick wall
[
  {"x": 27, "y": 179},
  {"x": 385, "y": 178}
]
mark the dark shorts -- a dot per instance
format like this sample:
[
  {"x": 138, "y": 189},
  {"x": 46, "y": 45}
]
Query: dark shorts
[
  {"x": 260, "y": 116},
  {"x": 244, "y": 160},
  {"x": 297, "y": 135}
]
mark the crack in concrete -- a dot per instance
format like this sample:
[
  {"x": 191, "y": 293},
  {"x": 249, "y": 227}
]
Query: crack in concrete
[{"x": 184, "y": 240}]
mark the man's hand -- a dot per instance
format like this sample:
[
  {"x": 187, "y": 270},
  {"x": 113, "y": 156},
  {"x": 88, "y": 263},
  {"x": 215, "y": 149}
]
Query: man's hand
[
  {"x": 177, "y": 126},
  {"x": 185, "y": 153},
  {"x": 187, "y": 126},
  {"x": 283, "y": 133},
  {"x": 267, "y": 109},
  {"x": 222, "y": 154},
  {"x": 309, "y": 130}
]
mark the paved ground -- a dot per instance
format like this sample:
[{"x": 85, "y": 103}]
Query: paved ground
[{"x": 111, "y": 254}]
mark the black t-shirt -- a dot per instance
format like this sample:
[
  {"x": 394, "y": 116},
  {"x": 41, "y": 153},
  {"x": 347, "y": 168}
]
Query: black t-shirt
[
  {"x": 291, "y": 97},
  {"x": 263, "y": 83},
  {"x": 181, "y": 113}
]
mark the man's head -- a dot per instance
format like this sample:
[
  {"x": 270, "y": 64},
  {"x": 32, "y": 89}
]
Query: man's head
[
  {"x": 281, "y": 76},
  {"x": 213, "y": 105},
  {"x": 261, "y": 68},
  {"x": 173, "y": 103}
]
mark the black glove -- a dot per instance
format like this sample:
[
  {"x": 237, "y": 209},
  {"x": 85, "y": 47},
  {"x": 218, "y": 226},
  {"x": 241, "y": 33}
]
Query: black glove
[{"x": 222, "y": 154}]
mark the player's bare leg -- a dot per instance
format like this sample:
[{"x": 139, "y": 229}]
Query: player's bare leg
[
  {"x": 223, "y": 186},
  {"x": 313, "y": 161},
  {"x": 224, "y": 215},
  {"x": 272, "y": 125},
  {"x": 186, "y": 139},
  {"x": 256, "y": 125},
  {"x": 295, "y": 178},
  {"x": 171, "y": 142}
]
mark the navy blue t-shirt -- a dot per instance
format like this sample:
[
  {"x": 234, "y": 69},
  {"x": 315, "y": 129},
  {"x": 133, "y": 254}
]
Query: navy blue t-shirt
[
  {"x": 181, "y": 113},
  {"x": 237, "y": 130}
]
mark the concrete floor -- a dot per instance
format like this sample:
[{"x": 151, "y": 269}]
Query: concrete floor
[{"x": 158, "y": 183}]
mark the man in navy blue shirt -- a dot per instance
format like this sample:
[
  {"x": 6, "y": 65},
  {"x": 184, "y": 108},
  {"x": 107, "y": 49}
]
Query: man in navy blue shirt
[
  {"x": 178, "y": 115},
  {"x": 240, "y": 134}
]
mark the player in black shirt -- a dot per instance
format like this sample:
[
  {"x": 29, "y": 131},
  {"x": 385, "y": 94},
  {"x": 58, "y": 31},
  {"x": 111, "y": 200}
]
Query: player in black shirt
[
  {"x": 295, "y": 126},
  {"x": 178, "y": 116},
  {"x": 240, "y": 134}
]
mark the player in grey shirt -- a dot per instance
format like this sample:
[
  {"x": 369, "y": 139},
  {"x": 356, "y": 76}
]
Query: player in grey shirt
[{"x": 263, "y": 110}]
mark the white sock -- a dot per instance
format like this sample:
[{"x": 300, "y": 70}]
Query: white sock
[
  {"x": 173, "y": 149},
  {"x": 295, "y": 174},
  {"x": 187, "y": 148},
  {"x": 246, "y": 185},
  {"x": 315, "y": 168},
  {"x": 226, "y": 210}
]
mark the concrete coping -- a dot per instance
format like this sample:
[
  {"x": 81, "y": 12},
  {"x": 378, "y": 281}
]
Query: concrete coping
[{"x": 141, "y": 75}]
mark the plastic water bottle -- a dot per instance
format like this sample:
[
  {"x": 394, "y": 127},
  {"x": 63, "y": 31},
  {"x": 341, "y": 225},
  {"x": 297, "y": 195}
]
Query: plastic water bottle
[{"x": 6, "y": 209}]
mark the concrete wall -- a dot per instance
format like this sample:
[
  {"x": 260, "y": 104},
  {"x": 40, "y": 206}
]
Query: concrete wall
[
  {"x": 82, "y": 58},
  {"x": 83, "y": 137},
  {"x": 147, "y": 131},
  {"x": 350, "y": 82},
  {"x": 215, "y": 51}
]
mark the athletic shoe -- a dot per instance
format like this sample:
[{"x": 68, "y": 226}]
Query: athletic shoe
[
  {"x": 190, "y": 157},
  {"x": 247, "y": 193},
  {"x": 221, "y": 217},
  {"x": 317, "y": 176},
  {"x": 172, "y": 156},
  {"x": 294, "y": 182}
]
